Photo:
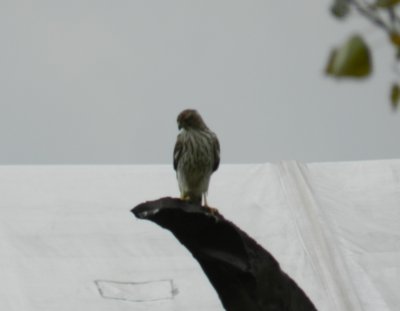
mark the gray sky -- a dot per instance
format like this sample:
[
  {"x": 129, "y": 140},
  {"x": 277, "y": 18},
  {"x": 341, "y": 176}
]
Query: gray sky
[{"x": 103, "y": 81}]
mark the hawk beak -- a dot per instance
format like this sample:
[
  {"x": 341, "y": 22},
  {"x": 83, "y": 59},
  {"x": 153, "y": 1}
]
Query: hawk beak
[{"x": 179, "y": 127}]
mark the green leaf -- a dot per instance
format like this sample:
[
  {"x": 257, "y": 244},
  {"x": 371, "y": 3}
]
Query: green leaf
[
  {"x": 395, "y": 38},
  {"x": 385, "y": 3},
  {"x": 395, "y": 95},
  {"x": 340, "y": 9},
  {"x": 352, "y": 59}
]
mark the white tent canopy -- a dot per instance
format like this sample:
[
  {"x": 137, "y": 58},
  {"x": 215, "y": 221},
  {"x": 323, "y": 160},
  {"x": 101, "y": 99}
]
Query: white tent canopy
[{"x": 69, "y": 242}]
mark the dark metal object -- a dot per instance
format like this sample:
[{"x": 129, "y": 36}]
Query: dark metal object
[{"x": 245, "y": 276}]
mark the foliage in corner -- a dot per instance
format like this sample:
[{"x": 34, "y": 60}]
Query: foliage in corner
[{"x": 353, "y": 59}]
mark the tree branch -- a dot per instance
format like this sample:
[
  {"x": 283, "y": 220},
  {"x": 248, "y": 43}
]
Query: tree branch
[
  {"x": 365, "y": 10},
  {"x": 394, "y": 19}
]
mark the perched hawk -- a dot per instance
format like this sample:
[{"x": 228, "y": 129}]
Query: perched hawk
[{"x": 196, "y": 156}]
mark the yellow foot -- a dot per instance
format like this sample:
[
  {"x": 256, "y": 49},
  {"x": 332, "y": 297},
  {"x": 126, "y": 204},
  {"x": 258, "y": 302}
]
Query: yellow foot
[
  {"x": 185, "y": 197},
  {"x": 211, "y": 210},
  {"x": 190, "y": 199}
]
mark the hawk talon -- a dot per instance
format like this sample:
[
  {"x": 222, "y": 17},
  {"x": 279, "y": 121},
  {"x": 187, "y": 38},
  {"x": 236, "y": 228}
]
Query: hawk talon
[
  {"x": 185, "y": 198},
  {"x": 212, "y": 210}
]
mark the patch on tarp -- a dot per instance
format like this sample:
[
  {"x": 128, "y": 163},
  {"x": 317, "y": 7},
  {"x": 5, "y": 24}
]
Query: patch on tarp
[{"x": 137, "y": 291}]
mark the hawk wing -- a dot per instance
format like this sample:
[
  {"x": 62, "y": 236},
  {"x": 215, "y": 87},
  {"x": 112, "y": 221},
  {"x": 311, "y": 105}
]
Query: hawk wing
[
  {"x": 177, "y": 152},
  {"x": 216, "y": 153}
]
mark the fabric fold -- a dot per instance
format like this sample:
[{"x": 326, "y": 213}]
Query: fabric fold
[{"x": 315, "y": 232}]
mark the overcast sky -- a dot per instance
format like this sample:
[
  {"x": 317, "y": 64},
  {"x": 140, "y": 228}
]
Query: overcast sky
[{"x": 101, "y": 82}]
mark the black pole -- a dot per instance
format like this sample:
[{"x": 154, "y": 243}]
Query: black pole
[{"x": 245, "y": 276}]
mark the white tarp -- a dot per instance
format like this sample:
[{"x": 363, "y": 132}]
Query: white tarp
[{"x": 69, "y": 242}]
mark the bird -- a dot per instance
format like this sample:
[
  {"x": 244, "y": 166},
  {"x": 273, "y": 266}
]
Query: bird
[{"x": 196, "y": 156}]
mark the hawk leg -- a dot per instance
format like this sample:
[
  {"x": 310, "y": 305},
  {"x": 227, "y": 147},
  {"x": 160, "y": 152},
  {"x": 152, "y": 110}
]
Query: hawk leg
[
  {"x": 210, "y": 209},
  {"x": 185, "y": 197}
]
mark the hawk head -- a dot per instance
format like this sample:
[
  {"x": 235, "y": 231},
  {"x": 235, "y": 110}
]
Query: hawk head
[{"x": 190, "y": 119}]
